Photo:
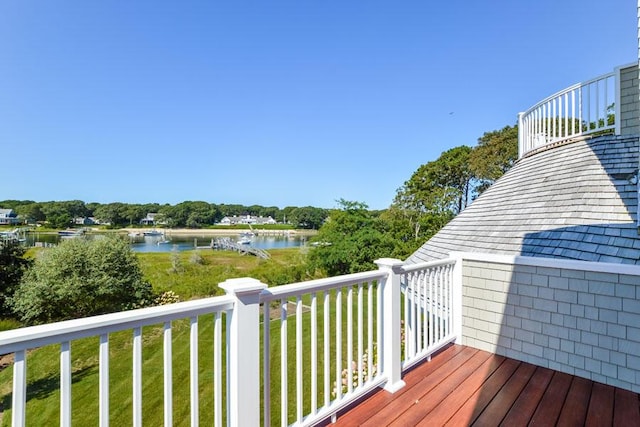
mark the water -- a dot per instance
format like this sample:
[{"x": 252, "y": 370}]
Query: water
[
  {"x": 179, "y": 242},
  {"x": 183, "y": 243}
]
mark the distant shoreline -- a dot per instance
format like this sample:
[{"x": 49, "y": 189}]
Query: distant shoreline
[{"x": 218, "y": 231}]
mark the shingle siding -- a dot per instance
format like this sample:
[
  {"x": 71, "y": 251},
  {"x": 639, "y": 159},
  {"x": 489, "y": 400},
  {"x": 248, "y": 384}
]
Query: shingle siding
[{"x": 574, "y": 321}]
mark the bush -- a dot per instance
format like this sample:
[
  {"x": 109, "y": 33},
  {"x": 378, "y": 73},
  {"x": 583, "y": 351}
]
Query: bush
[
  {"x": 176, "y": 262},
  {"x": 196, "y": 258},
  {"x": 80, "y": 278}
]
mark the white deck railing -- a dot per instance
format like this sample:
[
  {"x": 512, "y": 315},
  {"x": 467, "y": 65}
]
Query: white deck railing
[
  {"x": 428, "y": 309},
  {"x": 319, "y": 345},
  {"x": 336, "y": 358},
  {"x": 19, "y": 341},
  {"x": 582, "y": 109}
]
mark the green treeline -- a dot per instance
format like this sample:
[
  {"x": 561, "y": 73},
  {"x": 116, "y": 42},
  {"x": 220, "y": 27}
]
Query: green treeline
[{"x": 189, "y": 214}]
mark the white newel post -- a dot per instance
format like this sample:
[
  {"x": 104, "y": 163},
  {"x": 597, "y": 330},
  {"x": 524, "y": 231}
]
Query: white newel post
[
  {"x": 457, "y": 296},
  {"x": 521, "y": 134},
  {"x": 391, "y": 355},
  {"x": 244, "y": 351}
]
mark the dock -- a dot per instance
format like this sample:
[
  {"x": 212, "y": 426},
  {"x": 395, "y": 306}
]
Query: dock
[{"x": 227, "y": 244}]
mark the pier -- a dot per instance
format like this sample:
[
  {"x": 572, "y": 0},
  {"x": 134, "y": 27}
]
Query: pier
[{"x": 227, "y": 244}]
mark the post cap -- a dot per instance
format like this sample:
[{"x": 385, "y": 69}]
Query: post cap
[{"x": 242, "y": 286}]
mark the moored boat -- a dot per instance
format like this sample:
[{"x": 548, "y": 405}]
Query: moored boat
[{"x": 70, "y": 233}]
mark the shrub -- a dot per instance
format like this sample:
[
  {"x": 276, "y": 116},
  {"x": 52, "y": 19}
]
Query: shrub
[
  {"x": 196, "y": 258},
  {"x": 80, "y": 278},
  {"x": 176, "y": 262}
]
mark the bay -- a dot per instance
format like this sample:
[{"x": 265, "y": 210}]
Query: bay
[{"x": 179, "y": 242}]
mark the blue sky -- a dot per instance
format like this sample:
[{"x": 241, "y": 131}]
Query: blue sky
[{"x": 276, "y": 103}]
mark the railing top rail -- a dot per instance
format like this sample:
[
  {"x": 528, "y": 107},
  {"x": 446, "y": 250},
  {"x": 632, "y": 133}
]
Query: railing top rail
[
  {"x": 568, "y": 90},
  {"x": 319, "y": 285},
  {"x": 36, "y": 336},
  {"x": 408, "y": 268}
]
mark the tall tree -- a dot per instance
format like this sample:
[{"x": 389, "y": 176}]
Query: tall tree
[
  {"x": 495, "y": 154},
  {"x": 441, "y": 186}
]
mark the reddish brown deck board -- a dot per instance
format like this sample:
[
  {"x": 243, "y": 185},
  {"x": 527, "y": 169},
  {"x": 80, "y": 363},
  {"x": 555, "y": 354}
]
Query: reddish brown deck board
[
  {"x": 423, "y": 407},
  {"x": 574, "y": 411},
  {"x": 626, "y": 407},
  {"x": 527, "y": 402},
  {"x": 443, "y": 412},
  {"x": 382, "y": 398},
  {"x": 467, "y": 414},
  {"x": 451, "y": 391},
  {"x": 548, "y": 410},
  {"x": 600, "y": 411},
  {"x": 417, "y": 391},
  {"x": 504, "y": 399}
]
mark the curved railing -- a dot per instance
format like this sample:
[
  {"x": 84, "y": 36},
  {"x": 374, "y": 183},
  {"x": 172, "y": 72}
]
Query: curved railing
[{"x": 582, "y": 109}]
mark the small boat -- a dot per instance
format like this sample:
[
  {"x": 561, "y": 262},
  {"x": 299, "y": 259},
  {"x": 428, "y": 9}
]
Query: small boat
[
  {"x": 70, "y": 233},
  {"x": 153, "y": 233},
  {"x": 244, "y": 240}
]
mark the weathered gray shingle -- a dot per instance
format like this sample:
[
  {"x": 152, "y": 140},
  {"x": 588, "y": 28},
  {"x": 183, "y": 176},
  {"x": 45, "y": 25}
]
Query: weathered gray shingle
[{"x": 574, "y": 201}]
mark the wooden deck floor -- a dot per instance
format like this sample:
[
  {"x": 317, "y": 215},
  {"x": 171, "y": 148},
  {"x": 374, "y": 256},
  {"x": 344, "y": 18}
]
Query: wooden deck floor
[{"x": 463, "y": 386}]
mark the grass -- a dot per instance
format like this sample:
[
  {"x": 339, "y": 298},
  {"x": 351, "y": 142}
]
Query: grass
[
  {"x": 198, "y": 280},
  {"x": 192, "y": 280},
  {"x": 275, "y": 353},
  {"x": 43, "y": 375}
]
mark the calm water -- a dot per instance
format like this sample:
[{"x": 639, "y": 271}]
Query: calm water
[
  {"x": 179, "y": 242},
  {"x": 182, "y": 243}
]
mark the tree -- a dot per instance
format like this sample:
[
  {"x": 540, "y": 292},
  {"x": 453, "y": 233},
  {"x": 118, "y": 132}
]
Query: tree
[
  {"x": 31, "y": 213},
  {"x": 442, "y": 188},
  {"x": 450, "y": 177},
  {"x": 434, "y": 194},
  {"x": 56, "y": 214},
  {"x": 350, "y": 240},
  {"x": 81, "y": 278},
  {"x": 113, "y": 213},
  {"x": 12, "y": 267},
  {"x": 307, "y": 217},
  {"x": 134, "y": 213},
  {"x": 494, "y": 155}
]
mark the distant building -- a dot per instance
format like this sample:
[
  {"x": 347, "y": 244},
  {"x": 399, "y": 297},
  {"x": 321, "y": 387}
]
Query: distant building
[
  {"x": 8, "y": 217},
  {"x": 86, "y": 221},
  {"x": 247, "y": 219},
  {"x": 150, "y": 219}
]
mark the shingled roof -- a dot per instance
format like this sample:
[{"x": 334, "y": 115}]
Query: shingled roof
[{"x": 577, "y": 200}]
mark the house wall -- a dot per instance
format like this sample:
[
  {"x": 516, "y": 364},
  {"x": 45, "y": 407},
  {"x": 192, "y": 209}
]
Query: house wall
[
  {"x": 629, "y": 101},
  {"x": 578, "y": 317}
]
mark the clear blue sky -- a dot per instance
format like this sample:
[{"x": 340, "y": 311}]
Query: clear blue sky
[{"x": 276, "y": 103}]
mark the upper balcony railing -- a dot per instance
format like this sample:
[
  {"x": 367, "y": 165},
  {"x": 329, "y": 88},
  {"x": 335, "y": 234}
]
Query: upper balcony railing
[
  {"x": 312, "y": 347},
  {"x": 596, "y": 106}
]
